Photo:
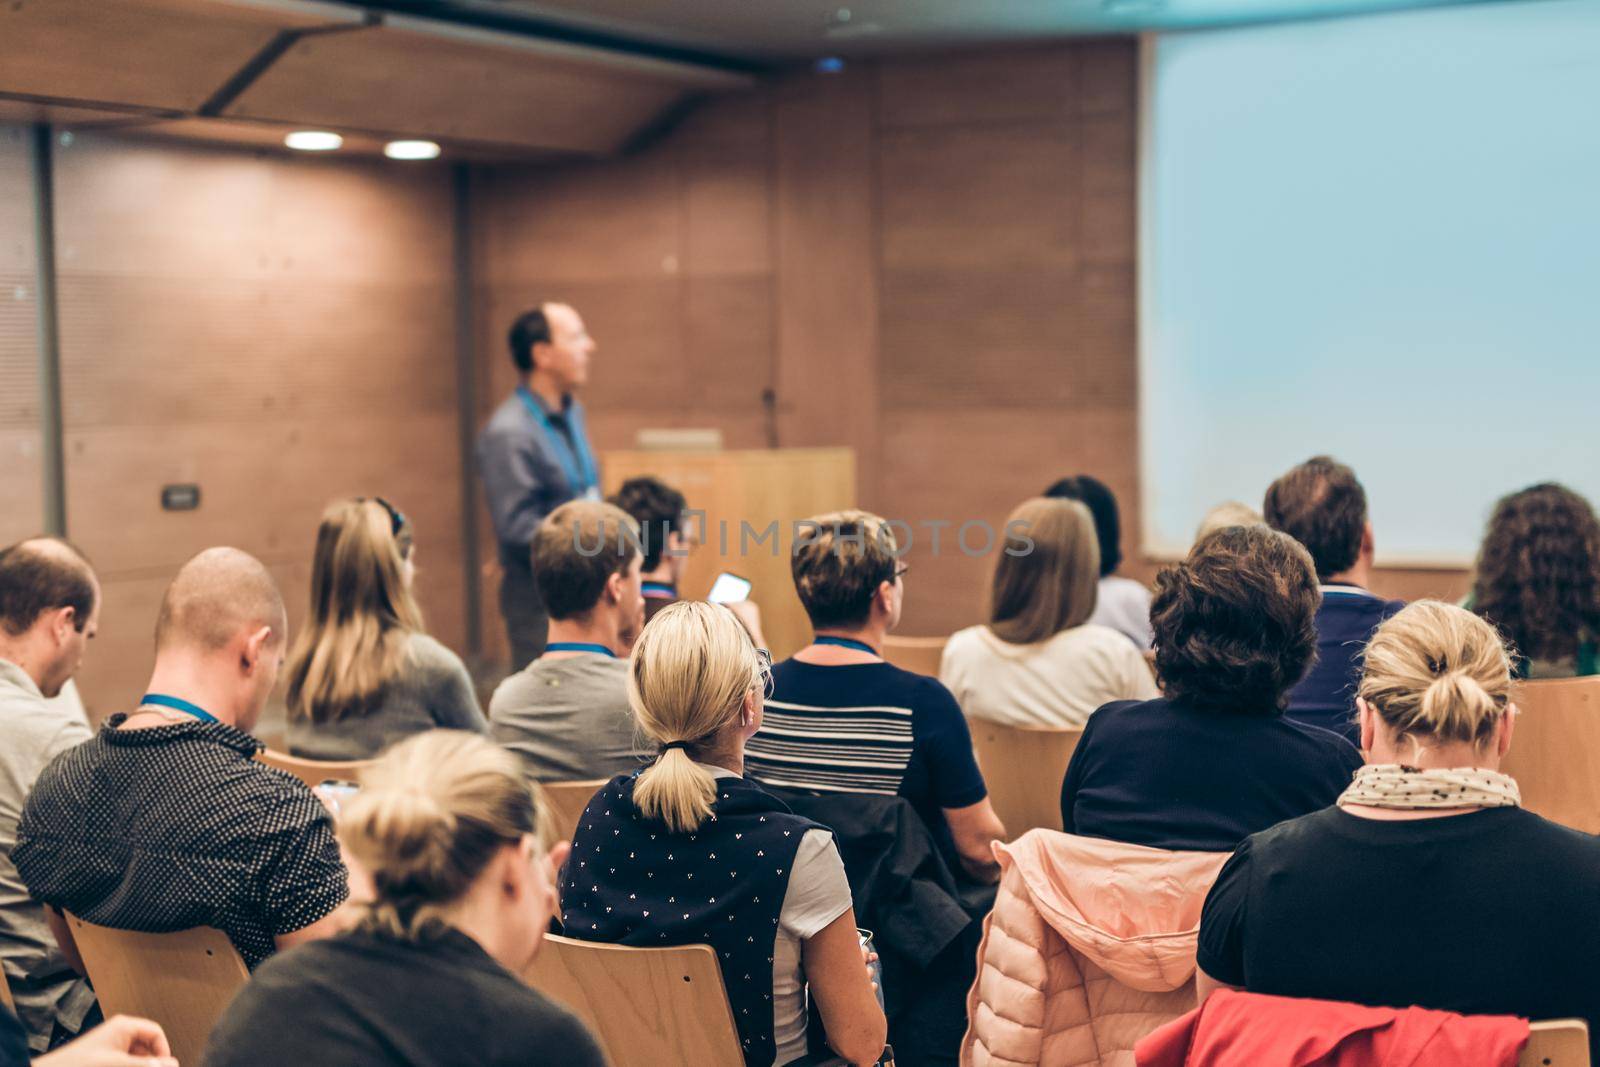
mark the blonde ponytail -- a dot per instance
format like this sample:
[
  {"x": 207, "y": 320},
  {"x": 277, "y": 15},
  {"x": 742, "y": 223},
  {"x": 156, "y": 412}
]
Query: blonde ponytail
[
  {"x": 431, "y": 814},
  {"x": 691, "y": 669},
  {"x": 1437, "y": 671}
]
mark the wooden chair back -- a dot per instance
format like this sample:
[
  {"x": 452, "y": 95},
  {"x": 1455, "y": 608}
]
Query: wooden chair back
[
  {"x": 313, "y": 772},
  {"x": 1556, "y": 1043},
  {"x": 183, "y": 980},
  {"x": 1023, "y": 768},
  {"x": 919, "y": 655},
  {"x": 647, "y": 1006},
  {"x": 5, "y": 995},
  {"x": 1555, "y": 750},
  {"x": 566, "y": 801}
]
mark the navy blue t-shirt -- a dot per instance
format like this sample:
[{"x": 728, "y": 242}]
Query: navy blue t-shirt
[
  {"x": 1326, "y": 697},
  {"x": 866, "y": 728},
  {"x": 1167, "y": 775}
]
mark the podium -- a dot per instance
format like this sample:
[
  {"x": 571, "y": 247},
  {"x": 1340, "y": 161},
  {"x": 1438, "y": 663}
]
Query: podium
[{"x": 744, "y": 505}]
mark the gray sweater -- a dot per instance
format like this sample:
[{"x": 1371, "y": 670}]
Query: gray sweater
[{"x": 433, "y": 690}]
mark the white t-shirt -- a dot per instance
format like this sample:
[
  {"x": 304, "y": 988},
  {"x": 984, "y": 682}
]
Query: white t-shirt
[
  {"x": 817, "y": 894},
  {"x": 1124, "y": 605},
  {"x": 1055, "y": 683}
]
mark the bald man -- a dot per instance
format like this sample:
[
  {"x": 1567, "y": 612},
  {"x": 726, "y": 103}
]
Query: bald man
[
  {"x": 534, "y": 456},
  {"x": 164, "y": 820},
  {"x": 49, "y": 610}
]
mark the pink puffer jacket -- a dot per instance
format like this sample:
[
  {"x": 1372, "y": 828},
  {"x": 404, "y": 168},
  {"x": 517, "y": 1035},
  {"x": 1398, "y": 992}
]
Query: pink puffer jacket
[{"x": 1090, "y": 947}]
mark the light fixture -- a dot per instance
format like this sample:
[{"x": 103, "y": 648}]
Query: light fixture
[
  {"x": 411, "y": 150},
  {"x": 314, "y": 141}
]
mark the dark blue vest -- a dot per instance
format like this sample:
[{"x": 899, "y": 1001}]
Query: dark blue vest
[{"x": 631, "y": 881}]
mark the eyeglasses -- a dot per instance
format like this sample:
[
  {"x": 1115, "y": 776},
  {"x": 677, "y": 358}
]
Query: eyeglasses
[
  {"x": 764, "y": 661},
  {"x": 901, "y": 571}
]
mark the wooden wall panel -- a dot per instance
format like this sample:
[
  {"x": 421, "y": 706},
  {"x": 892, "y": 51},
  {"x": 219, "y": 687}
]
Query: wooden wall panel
[
  {"x": 278, "y": 331},
  {"x": 21, "y": 487}
]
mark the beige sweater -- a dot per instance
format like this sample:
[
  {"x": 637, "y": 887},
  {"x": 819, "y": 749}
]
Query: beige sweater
[{"x": 1056, "y": 683}]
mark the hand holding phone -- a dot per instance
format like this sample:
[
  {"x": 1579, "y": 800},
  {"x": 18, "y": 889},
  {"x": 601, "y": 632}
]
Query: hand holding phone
[{"x": 729, "y": 588}]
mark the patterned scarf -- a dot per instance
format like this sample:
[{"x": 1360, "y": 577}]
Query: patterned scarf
[{"x": 1393, "y": 785}]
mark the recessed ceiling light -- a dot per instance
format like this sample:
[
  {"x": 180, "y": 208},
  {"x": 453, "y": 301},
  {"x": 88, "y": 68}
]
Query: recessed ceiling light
[
  {"x": 314, "y": 141},
  {"x": 411, "y": 150}
]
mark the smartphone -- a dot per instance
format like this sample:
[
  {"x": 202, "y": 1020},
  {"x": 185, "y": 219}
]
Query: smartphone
[
  {"x": 335, "y": 791},
  {"x": 729, "y": 588}
]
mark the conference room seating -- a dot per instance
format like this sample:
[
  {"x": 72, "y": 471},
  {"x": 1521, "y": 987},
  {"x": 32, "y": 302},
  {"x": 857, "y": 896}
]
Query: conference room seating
[
  {"x": 567, "y": 801},
  {"x": 314, "y": 772},
  {"x": 1556, "y": 1043},
  {"x": 648, "y": 1006},
  {"x": 1023, "y": 768},
  {"x": 183, "y": 980},
  {"x": 1555, "y": 750},
  {"x": 920, "y": 655}
]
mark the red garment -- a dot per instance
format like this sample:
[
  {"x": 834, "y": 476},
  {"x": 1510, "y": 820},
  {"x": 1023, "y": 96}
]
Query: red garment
[{"x": 1235, "y": 1029}]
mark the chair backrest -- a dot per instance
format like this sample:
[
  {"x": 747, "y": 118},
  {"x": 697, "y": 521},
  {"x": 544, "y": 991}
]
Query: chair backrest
[
  {"x": 920, "y": 655},
  {"x": 1557, "y": 1043},
  {"x": 5, "y": 994},
  {"x": 567, "y": 801},
  {"x": 183, "y": 980},
  {"x": 1023, "y": 768},
  {"x": 1555, "y": 750},
  {"x": 648, "y": 1006},
  {"x": 314, "y": 772}
]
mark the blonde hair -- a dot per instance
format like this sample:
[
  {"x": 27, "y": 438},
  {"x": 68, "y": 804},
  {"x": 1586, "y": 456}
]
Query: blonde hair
[
  {"x": 1047, "y": 578},
  {"x": 1437, "y": 670},
  {"x": 1227, "y": 513},
  {"x": 432, "y": 812},
  {"x": 362, "y": 613},
  {"x": 692, "y": 667}
]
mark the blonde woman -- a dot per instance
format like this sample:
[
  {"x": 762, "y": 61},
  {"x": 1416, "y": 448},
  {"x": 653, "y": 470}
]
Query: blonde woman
[
  {"x": 363, "y": 674},
  {"x": 688, "y": 850},
  {"x": 463, "y": 890},
  {"x": 1427, "y": 884},
  {"x": 1039, "y": 661}
]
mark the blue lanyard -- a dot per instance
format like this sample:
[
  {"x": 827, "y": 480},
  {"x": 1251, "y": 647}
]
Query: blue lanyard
[
  {"x": 161, "y": 700},
  {"x": 847, "y": 642},
  {"x": 579, "y": 646},
  {"x": 659, "y": 590},
  {"x": 579, "y": 467}
]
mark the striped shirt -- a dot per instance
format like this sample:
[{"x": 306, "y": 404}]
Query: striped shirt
[{"x": 866, "y": 728}]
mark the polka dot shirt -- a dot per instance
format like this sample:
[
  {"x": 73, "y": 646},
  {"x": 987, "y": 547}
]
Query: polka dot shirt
[{"x": 178, "y": 826}]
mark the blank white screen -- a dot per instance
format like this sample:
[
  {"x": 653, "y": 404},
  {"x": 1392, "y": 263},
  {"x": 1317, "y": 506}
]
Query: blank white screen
[{"x": 1378, "y": 238}]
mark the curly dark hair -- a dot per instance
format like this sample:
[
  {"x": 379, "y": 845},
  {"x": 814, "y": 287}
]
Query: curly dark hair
[
  {"x": 1538, "y": 574},
  {"x": 1321, "y": 504},
  {"x": 657, "y": 508},
  {"x": 1235, "y": 622}
]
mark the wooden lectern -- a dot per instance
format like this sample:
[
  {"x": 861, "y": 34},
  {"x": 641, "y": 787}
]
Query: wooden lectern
[{"x": 750, "y": 501}]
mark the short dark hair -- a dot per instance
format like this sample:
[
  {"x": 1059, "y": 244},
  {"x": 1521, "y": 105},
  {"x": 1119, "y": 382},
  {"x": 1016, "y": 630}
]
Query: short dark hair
[
  {"x": 1322, "y": 505},
  {"x": 531, "y": 328},
  {"x": 576, "y": 549},
  {"x": 657, "y": 508},
  {"x": 1102, "y": 504},
  {"x": 838, "y": 570},
  {"x": 44, "y": 574},
  {"x": 1235, "y": 622}
]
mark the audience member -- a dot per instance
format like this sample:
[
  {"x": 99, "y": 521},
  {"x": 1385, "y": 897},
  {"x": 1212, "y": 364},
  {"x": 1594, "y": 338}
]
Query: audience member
[
  {"x": 723, "y": 862},
  {"x": 1322, "y": 505},
  {"x": 121, "y": 1041},
  {"x": 363, "y": 673},
  {"x": 49, "y": 610},
  {"x": 447, "y": 828},
  {"x": 1121, "y": 603},
  {"x": 565, "y": 715},
  {"x": 1502, "y": 920},
  {"x": 1040, "y": 661},
  {"x": 1538, "y": 580},
  {"x": 659, "y": 510},
  {"x": 164, "y": 820},
  {"x": 841, "y": 720},
  {"x": 1215, "y": 760},
  {"x": 534, "y": 456},
  {"x": 1227, "y": 513}
]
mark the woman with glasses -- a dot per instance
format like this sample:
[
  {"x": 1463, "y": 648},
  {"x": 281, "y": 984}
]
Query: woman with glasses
[
  {"x": 690, "y": 851},
  {"x": 363, "y": 673}
]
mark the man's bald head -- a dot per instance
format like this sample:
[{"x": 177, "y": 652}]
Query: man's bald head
[
  {"x": 42, "y": 575},
  {"x": 216, "y": 596}
]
